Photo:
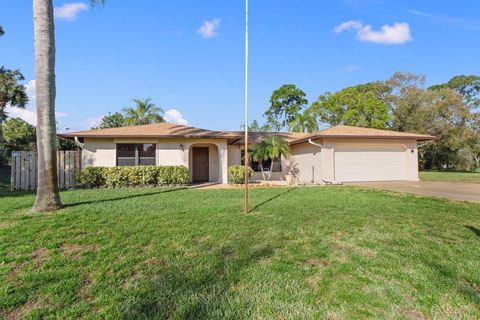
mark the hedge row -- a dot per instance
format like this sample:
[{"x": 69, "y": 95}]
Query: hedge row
[
  {"x": 236, "y": 174},
  {"x": 120, "y": 177}
]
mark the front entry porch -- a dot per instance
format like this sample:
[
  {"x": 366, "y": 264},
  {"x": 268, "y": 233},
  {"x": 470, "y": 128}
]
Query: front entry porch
[{"x": 204, "y": 163}]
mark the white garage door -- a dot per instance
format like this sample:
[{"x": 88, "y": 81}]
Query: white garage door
[{"x": 362, "y": 162}]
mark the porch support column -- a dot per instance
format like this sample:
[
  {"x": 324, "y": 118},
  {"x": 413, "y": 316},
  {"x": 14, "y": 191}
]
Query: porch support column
[{"x": 223, "y": 162}]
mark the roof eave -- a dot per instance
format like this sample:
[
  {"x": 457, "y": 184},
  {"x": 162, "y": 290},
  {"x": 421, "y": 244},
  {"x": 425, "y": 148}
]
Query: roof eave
[{"x": 418, "y": 138}]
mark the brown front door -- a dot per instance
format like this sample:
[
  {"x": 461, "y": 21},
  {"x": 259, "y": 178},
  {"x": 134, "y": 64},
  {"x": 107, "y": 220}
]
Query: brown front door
[{"x": 200, "y": 164}]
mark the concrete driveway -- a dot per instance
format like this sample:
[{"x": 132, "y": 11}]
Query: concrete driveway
[{"x": 450, "y": 190}]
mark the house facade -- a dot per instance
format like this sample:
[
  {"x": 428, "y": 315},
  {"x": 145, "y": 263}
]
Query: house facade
[{"x": 337, "y": 154}]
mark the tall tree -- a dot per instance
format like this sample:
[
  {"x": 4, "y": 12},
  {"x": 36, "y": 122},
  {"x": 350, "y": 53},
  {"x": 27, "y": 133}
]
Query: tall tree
[
  {"x": 285, "y": 103},
  {"x": 144, "y": 112},
  {"x": 48, "y": 197},
  {"x": 1, "y": 31},
  {"x": 112, "y": 120},
  {"x": 12, "y": 92},
  {"x": 354, "y": 106},
  {"x": 467, "y": 86}
]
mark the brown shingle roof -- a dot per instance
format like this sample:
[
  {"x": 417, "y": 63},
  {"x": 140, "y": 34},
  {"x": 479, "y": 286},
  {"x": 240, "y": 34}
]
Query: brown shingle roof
[
  {"x": 342, "y": 132},
  {"x": 169, "y": 130},
  {"x": 156, "y": 130}
]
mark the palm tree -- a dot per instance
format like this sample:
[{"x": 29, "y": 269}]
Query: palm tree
[
  {"x": 276, "y": 147},
  {"x": 12, "y": 93},
  {"x": 255, "y": 127},
  {"x": 303, "y": 122},
  {"x": 270, "y": 148},
  {"x": 145, "y": 112},
  {"x": 48, "y": 197},
  {"x": 259, "y": 153}
]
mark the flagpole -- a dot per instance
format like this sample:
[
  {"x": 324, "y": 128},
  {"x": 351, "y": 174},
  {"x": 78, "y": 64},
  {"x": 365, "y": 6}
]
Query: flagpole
[{"x": 246, "y": 177}]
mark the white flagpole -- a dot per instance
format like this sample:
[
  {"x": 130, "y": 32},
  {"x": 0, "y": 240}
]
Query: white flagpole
[{"x": 246, "y": 177}]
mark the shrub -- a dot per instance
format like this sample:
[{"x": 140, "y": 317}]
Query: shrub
[
  {"x": 91, "y": 177},
  {"x": 236, "y": 174},
  {"x": 120, "y": 177}
]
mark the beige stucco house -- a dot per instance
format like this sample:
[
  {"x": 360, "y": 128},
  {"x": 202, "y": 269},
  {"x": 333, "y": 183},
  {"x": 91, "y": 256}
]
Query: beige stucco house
[{"x": 337, "y": 154}]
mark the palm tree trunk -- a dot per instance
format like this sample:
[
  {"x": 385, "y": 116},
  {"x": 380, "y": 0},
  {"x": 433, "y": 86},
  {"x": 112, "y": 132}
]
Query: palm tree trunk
[
  {"x": 48, "y": 198},
  {"x": 271, "y": 168},
  {"x": 261, "y": 169}
]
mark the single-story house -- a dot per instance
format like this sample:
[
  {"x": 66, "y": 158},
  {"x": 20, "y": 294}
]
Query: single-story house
[{"x": 338, "y": 154}]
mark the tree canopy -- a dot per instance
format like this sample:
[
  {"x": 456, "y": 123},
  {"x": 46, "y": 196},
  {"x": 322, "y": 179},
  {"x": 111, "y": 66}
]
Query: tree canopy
[
  {"x": 467, "y": 86},
  {"x": 12, "y": 91},
  {"x": 112, "y": 120},
  {"x": 354, "y": 106},
  {"x": 285, "y": 103}
]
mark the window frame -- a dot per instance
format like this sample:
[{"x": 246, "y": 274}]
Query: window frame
[{"x": 137, "y": 157}]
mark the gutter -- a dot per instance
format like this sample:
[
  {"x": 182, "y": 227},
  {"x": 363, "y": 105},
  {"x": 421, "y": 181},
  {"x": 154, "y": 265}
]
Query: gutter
[{"x": 321, "y": 146}]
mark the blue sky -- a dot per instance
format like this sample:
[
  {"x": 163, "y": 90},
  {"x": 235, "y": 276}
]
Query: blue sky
[{"x": 189, "y": 55}]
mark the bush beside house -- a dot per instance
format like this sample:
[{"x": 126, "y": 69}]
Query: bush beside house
[
  {"x": 121, "y": 177},
  {"x": 236, "y": 174}
]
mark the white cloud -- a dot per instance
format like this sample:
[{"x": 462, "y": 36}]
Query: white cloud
[
  {"x": 29, "y": 114},
  {"x": 397, "y": 33},
  {"x": 352, "y": 68},
  {"x": 209, "y": 28},
  {"x": 69, "y": 11},
  {"x": 348, "y": 25},
  {"x": 174, "y": 116}
]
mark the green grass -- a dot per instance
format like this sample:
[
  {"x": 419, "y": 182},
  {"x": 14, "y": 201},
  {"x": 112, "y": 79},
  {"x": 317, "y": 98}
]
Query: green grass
[
  {"x": 4, "y": 178},
  {"x": 302, "y": 253},
  {"x": 472, "y": 177}
]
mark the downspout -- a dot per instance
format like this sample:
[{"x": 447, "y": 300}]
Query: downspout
[{"x": 320, "y": 146}]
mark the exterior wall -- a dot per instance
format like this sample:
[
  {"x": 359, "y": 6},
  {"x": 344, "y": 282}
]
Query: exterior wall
[
  {"x": 99, "y": 153},
  {"x": 169, "y": 152},
  {"x": 306, "y": 163},
  {"x": 234, "y": 155},
  {"x": 315, "y": 164},
  {"x": 310, "y": 163},
  {"x": 410, "y": 155}
]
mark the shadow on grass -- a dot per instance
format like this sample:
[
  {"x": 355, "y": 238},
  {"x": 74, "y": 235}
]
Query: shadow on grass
[
  {"x": 141, "y": 195},
  {"x": 474, "y": 230},
  {"x": 278, "y": 195},
  {"x": 186, "y": 291}
]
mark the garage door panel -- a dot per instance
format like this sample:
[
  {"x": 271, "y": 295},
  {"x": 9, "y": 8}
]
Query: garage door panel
[{"x": 369, "y": 163}]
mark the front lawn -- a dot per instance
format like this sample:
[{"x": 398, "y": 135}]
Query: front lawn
[
  {"x": 303, "y": 253},
  {"x": 472, "y": 177}
]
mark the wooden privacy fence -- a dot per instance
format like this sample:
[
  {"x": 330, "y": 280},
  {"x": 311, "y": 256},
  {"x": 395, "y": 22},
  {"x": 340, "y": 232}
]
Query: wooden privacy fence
[{"x": 24, "y": 169}]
